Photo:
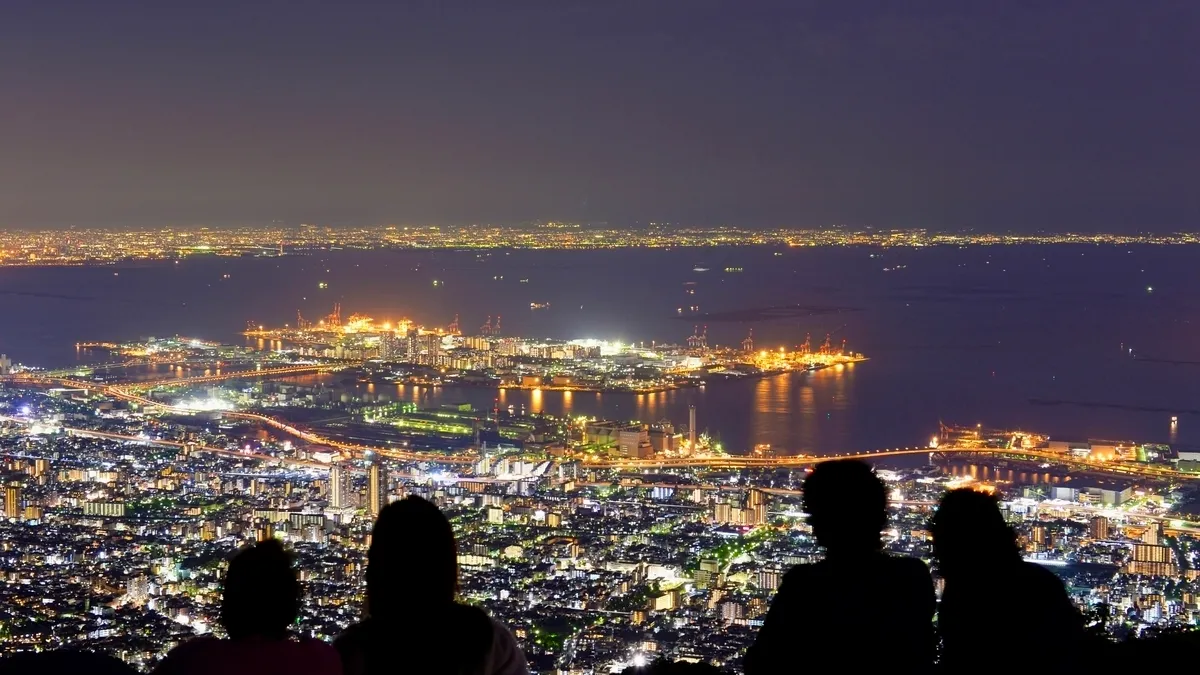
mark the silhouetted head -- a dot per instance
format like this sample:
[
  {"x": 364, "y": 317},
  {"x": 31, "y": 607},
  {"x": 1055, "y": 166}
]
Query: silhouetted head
[
  {"x": 412, "y": 562},
  {"x": 847, "y": 506},
  {"x": 262, "y": 595},
  {"x": 969, "y": 532}
]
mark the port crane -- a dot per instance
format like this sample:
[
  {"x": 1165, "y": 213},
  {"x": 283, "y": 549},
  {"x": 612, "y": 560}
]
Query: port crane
[
  {"x": 489, "y": 328},
  {"x": 335, "y": 317}
]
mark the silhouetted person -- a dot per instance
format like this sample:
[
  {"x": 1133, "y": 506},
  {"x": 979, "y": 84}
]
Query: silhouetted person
[
  {"x": 859, "y": 608},
  {"x": 414, "y": 623},
  {"x": 993, "y": 600},
  {"x": 260, "y": 602},
  {"x": 64, "y": 661}
]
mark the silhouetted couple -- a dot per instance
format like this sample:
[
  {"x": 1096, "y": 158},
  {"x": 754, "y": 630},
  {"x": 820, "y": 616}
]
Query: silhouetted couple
[
  {"x": 861, "y": 608},
  {"x": 413, "y": 624}
]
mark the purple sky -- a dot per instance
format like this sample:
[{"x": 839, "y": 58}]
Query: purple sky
[{"x": 959, "y": 113}]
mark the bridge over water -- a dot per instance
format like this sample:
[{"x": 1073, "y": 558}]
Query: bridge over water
[{"x": 127, "y": 393}]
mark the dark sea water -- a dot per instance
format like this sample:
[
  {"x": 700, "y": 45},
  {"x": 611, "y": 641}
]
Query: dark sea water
[{"x": 961, "y": 335}]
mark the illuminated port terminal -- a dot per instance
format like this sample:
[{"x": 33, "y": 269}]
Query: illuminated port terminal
[{"x": 403, "y": 351}]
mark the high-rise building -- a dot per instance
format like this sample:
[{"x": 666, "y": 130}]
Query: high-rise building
[
  {"x": 339, "y": 486},
  {"x": 1152, "y": 560},
  {"x": 756, "y": 507},
  {"x": 484, "y": 466},
  {"x": 1153, "y": 534},
  {"x": 692, "y": 428},
  {"x": 375, "y": 489},
  {"x": 12, "y": 501},
  {"x": 731, "y": 610},
  {"x": 5, "y": 365},
  {"x": 1098, "y": 527},
  {"x": 769, "y": 579},
  {"x": 1039, "y": 535},
  {"x": 110, "y": 509},
  {"x": 722, "y": 513},
  {"x": 40, "y": 466}
]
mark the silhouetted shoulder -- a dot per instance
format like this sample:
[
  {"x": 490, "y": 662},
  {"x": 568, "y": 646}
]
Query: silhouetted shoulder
[
  {"x": 907, "y": 569},
  {"x": 911, "y": 570},
  {"x": 206, "y": 655},
  {"x": 185, "y": 655},
  {"x": 507, "y": 657},
  {"x": 908, "y": 565},
  {"x": 1051, "y": 594},
  {"x": 64, "y": 661},
  {"x": 1038, "y": 578},
  {"x": 475, "y": 644},
  {"x": 800, "y": 574}
]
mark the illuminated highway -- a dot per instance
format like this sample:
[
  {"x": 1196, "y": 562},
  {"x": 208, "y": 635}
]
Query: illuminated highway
[
  {"x": 195, "y": 447},
  {"x": 742, "y": 462},
  {"x": 308, "y": 436},
  {"x": 1129, "y": 470},
  {"x": 220, "y": 376}
]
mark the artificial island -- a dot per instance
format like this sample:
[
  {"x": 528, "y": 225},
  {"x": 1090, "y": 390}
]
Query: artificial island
[{"x": 403, "y": 351}]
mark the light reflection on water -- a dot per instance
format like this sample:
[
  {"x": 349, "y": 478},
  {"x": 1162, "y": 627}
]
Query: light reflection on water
[{"x": 800, "y": 412}]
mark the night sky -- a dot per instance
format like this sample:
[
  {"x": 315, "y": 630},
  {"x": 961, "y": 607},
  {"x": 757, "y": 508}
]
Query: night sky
[{"x": 999, "y": 114}]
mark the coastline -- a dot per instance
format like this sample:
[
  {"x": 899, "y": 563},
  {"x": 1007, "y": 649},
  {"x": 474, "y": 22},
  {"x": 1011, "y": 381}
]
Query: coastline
[{"x": 622, "y": 390}]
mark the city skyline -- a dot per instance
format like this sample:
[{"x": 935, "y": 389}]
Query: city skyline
[{"x": 91, "y": 246}]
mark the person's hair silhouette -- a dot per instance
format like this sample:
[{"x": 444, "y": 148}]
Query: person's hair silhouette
[
  {"x": 969, "y": 530},
  {"x": 262, "y": 594},
  {"x": 414, "y": 623},
  {"x": 992, "y": 597},
  {"x": 858, "y": 608},
  {"x": 847, "y": 507},
  {"x": 412, "y": 561},
  {"x": 260, "y": 603}
]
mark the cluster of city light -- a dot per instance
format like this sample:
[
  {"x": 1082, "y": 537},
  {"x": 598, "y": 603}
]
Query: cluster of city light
[
  {"x": 520, "y": 509},
  {"x": 205, "y": 405},
  {"x": 90, "y": 246}
]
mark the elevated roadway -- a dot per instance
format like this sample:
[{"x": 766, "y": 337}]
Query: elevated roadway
[
  {"x": 1035, "y": 455},
  {"x": 124, "y": 393},
  {"x": 195, "y": 447},
  {"x": 232, "y": 375},
  {"x": 732, "y": 462}
]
